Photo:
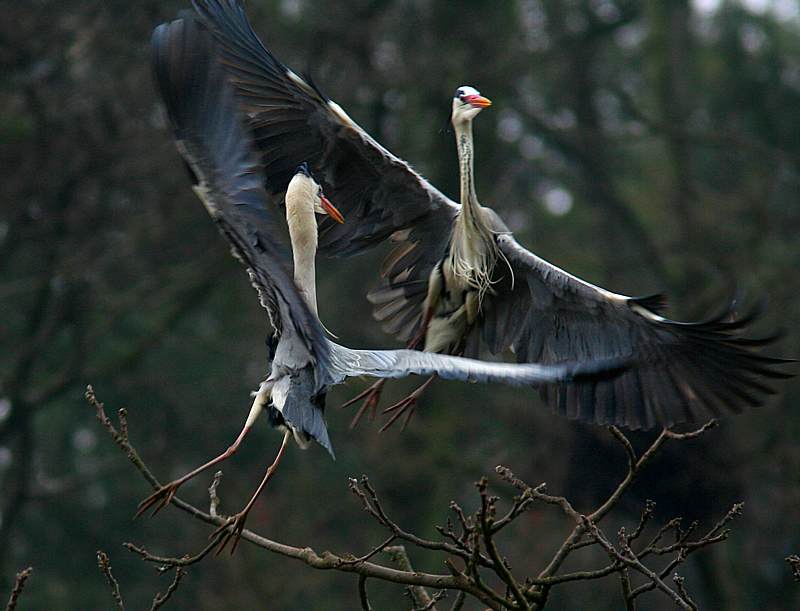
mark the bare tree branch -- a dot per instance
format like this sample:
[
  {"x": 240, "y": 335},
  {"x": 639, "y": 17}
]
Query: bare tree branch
[
  {"x": 105, "y": 567},
  {"x": 160, "y": 599},
  {"x": 325, "y": 560},
  {"x": 458, "y": 603},
  {"x": 168, "y": 562},
  {"x": 419, "y": 595},
  {"x": 794, "y": 564},
  {"x": 362, "y": 593},
  {"x": 19, "y": 586},
  {"x": 628, "y": 558},
  {"x": 471, "y": 539}
]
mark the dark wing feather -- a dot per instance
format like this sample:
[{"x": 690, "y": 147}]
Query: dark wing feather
[
  {"x": 216, "y": 146},
  {"x": 680, "y": 372},
  {"x": 292, "y": 122}
]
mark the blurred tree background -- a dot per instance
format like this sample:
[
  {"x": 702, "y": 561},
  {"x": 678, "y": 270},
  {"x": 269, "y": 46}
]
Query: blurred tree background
[{"x": 643, "y": 145}]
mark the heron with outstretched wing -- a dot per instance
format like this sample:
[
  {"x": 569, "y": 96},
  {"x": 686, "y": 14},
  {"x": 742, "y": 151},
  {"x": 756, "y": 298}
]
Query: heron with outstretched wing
[{"x": 229, "y": 178}]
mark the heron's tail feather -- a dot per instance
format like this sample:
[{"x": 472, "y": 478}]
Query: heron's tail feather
[{"x": 306, "y": 416}]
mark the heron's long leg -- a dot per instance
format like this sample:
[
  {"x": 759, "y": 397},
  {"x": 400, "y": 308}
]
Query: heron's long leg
[
  {"x": 161, "y": 497},
  {"x": 405, "y": 406},
  {"x": 236, "y": 522}
]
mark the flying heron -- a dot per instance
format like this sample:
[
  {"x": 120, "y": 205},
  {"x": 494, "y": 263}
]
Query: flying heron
[
  {"x": 682, "y": 371},
  {"x": 228, "y": 178}
]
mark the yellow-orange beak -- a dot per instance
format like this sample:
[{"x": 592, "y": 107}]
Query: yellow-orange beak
[
  {"x": 330, "y": 209},
  {"x": 478, "y": 101}
]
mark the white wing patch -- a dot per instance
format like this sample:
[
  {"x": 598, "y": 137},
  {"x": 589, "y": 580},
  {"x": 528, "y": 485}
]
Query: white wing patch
[
  {"x": 301, "y": 83},
  {"x": 342, "y": 115},
  {"x": 646, "y": 313}
]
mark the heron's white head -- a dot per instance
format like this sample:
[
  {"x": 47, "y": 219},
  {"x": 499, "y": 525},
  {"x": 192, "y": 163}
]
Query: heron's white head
[
  {"x": 467, "y": 103},
  {"x": 303, "y": 190}
]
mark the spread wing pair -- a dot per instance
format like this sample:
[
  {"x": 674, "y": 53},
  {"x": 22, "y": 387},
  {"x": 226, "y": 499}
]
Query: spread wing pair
[
  {"x": 229, "y": 178},
  {"x": 680, "y": 371}
]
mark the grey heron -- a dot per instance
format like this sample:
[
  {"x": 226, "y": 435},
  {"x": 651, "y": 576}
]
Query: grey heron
[
  {"x": 228, "y": 178},
  {"x": 682, "y": 371}
]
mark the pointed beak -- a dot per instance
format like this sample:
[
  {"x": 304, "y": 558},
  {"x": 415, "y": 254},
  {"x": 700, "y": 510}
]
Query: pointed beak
[
  {"x": 330, "y": 209},
  {"x": 478, "y": 101}
]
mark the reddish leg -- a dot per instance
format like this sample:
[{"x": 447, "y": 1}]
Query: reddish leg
[
  {"x": 236, "y": 522},
  {"x": 407, "y": 406},
  {"x": 161, "y": 497},
  {"x": 372, "y": 395}
]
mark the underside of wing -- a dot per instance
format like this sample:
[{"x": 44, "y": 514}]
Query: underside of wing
[
  {"x": 227, "y": 172},
  {"x": 293, "y": 122},
  {"x": 680, "y": 372},
  {"x": 402, "y": 363}
]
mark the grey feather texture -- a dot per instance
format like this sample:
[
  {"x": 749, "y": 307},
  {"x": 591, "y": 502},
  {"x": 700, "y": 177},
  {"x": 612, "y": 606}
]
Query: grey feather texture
[
  {"x": 346, "y": 362},
  {"x": 211, "y": 138}
]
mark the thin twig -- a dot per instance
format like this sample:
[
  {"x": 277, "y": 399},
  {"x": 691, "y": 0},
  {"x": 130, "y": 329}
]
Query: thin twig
[
  {"x": 374, "y": 551},
  {"x": 105, "y": 566},
  {"x": 458, "y": 603},
  {"x": 370, "y": 502},
  {"x": 213, "y": 504},
  {"x": 160, "y": 599},
  {"x": 629, "y": 558},
  {"x": 647, "y": 514},
  {"x": 168, "y": 562},
  {"x": 399, "y": 556},
  {"x": 539, "y": 492},
  {"x": 362, "y": 593},
  {"x": 625, "y": 583},
  {"x": 634, "y": 467},
  {"x": 19, "y": 586},
  {"x": 486, "y": 518},
  {"x": 794, "y": 564},
  {"x": 682, "y": 591},
  {"x": 431, "y": 606}
]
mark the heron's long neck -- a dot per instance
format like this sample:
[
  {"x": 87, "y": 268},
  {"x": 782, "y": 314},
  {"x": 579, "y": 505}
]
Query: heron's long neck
[
  {"x": 473, "y": 251},
  {"x": 469, "y": 200},
  {"x": 303, "y": 233}
]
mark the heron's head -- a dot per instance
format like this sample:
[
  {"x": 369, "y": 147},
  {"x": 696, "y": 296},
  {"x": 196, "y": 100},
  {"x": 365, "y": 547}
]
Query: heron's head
[
  {"x": 304, "y": 190},
  {"x": 467, "y": 103}
]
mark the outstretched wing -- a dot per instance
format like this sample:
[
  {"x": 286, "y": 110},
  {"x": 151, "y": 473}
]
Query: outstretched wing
[
  {"x": 293, "y": 121},
  {"x": 347, "y": 362},
  {"x": 227, "y": 172},
  {"x": 680, "y": 371}
]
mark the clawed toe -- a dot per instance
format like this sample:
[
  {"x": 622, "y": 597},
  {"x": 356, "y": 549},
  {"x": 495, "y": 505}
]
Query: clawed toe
[
  {"x": 229, "y": 532},
  {"x": 158, "y": 500},
  {"x": 371, "y": 396},
  {"x": 407, "y": 406}
]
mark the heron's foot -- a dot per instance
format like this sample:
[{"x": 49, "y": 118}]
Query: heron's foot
[
  {"x": 230, "y": 532},
  {"x": 371, "y": 397},
  {"x": 159, "y": 499},
  {"x": 406, "y": 407}
]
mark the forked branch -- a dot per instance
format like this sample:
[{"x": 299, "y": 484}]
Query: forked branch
[{"x": 470, "y": 542}]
